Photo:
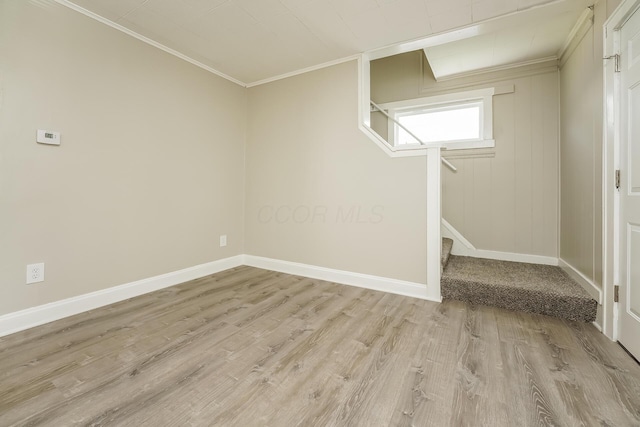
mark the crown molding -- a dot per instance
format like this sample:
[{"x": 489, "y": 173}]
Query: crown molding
[
  {"x": 195, "y": 62},
  {"x": 148, "y": 41},
  {"x": 304, "y": 70},
  {"x": 487, "y": 70},
  {"x": 581, "y": 27}
]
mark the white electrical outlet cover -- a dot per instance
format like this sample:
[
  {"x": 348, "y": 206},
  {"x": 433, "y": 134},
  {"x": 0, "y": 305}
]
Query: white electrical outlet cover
[{"x": 35, "y": 273}]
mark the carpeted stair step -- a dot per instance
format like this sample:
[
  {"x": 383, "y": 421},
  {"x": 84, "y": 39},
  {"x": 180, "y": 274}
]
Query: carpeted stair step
[
  {"x": 531, "y": 288},
  {"x": 447, "y": 244}
]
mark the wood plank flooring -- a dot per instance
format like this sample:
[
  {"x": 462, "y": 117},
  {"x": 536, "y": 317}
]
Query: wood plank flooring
[{"x": 250, "y": 347}]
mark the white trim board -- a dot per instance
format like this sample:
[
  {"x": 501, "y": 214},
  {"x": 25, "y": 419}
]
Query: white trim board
[
  {"x": 35, "y": 316},
  {"x": 449, "y": 231},
  {"x": 304, "y": 70},
  {"x": 434, "y": 215},
  {"x": 463, "y": 247},
  {"x": 376, "y": 283},
  {"x": 147, "y": 40},
  {"x": 579, "y": 30},
  {"x": 496, "y": 68},
  {"x": 516, "y": 257},
  {"x": 195, "y": 62},
  {"x": 597, "y": 325},
  {"x": 482, "y": 27},
  {"x": 588, "y": 285},
  {"x": 39, "y": 315}
]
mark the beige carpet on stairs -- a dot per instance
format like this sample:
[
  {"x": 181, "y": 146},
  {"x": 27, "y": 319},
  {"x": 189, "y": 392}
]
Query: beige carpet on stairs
[{"x": 531, "y": 288}]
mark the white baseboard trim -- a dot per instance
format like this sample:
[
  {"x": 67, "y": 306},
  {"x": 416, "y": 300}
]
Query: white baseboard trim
[
  {"x": 588, "y": 285},
  {"x": 35, "y": 316},
  {"x": 597, "y": 325},
  {"x": 377, "y": 283},
  {"x": 447, "y": 230},
  {"x": 463, "y": 247},
  {"x": 511, "y": 256}
]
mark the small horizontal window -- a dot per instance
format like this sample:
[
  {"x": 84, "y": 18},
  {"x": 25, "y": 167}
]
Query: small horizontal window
[{"x": 458, "y": 120}]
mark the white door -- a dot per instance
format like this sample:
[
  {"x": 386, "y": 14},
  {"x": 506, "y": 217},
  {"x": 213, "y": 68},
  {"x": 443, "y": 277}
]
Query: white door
[{"x": 629, "y": 335}]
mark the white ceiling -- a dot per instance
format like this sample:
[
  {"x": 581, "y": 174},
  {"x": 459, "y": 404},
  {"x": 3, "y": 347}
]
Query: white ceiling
[
  {"x": 255, "y": 40},
  {"x": 539, "y": 38}
]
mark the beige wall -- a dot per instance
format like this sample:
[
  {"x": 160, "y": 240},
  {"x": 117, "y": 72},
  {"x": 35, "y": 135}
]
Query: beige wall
[
  {"x": 152, "y": 164},
  {"x": 503, "y": 199},
  {"x": 581, "y": 161},
  {"x": 306, "y": 155},
  {"x": 151, "y": 167},
  {"x": 581, "y": 99}
]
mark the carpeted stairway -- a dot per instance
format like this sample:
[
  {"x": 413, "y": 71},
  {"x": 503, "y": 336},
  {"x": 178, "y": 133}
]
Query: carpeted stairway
[
  {"x": 531, "y": 288},
  {"x": 447, "y": 245}
]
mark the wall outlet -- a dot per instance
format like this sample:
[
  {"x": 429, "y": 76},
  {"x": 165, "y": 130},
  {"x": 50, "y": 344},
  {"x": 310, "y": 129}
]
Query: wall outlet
[
  {"x": 223, "y": 240},
  {"x": 35, "y": 273}
]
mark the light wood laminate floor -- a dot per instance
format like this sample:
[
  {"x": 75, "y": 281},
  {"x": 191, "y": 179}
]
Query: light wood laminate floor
[{"x": 249, "y": 347}]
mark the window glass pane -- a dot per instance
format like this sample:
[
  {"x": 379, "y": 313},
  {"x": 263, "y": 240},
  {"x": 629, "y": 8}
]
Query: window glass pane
[{"x": 446, "y": 125}]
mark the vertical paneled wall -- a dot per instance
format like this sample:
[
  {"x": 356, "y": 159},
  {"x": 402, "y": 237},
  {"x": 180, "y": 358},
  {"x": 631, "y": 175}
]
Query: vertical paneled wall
[
  {"x": 578, "y": 154},
  {"x": 581, "y": 83},
  {"x": 507, "y": 199},
  {"x": 503, "y": 199}
]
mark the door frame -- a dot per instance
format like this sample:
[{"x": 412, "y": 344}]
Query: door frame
[{"x": 611, "y": 161}]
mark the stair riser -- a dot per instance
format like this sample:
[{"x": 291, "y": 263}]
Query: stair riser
[{"x": 571, "y": 308}]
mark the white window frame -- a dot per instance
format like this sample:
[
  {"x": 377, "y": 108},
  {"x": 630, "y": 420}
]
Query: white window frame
[{"x": 480, "y": 97}]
